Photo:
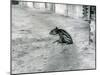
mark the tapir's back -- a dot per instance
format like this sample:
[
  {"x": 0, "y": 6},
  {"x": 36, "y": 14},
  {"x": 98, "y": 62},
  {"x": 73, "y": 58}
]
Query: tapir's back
[{"x": 65, "y": 36}]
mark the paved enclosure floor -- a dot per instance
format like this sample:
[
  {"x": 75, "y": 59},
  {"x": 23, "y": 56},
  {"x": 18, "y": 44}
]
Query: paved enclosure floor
[{"x": 32, "y": 47}]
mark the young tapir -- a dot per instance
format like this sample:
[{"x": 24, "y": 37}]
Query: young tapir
[{"x": 64, "y": 37}]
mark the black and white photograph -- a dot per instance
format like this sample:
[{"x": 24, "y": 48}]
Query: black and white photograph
[{"x": 52, "y": 37}]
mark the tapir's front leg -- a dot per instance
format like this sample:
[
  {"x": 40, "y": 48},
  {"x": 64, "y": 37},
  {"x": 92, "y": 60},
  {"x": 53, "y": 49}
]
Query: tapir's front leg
[{"x": 56, "y": 41}]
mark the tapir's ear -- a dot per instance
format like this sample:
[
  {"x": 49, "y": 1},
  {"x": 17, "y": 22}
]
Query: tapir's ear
[{"x": 56, "y": 27}]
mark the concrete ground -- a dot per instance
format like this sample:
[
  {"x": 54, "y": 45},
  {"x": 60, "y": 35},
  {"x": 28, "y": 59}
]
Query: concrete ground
[{"x": 32, "y": 47}]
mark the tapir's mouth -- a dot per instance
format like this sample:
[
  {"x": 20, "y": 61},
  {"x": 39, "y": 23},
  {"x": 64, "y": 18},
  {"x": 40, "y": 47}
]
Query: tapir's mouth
[{"x": 52, "y": 33}]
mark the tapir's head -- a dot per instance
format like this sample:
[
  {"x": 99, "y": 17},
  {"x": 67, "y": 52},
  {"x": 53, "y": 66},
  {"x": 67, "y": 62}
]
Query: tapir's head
[{"x": 54, "y": 31}]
